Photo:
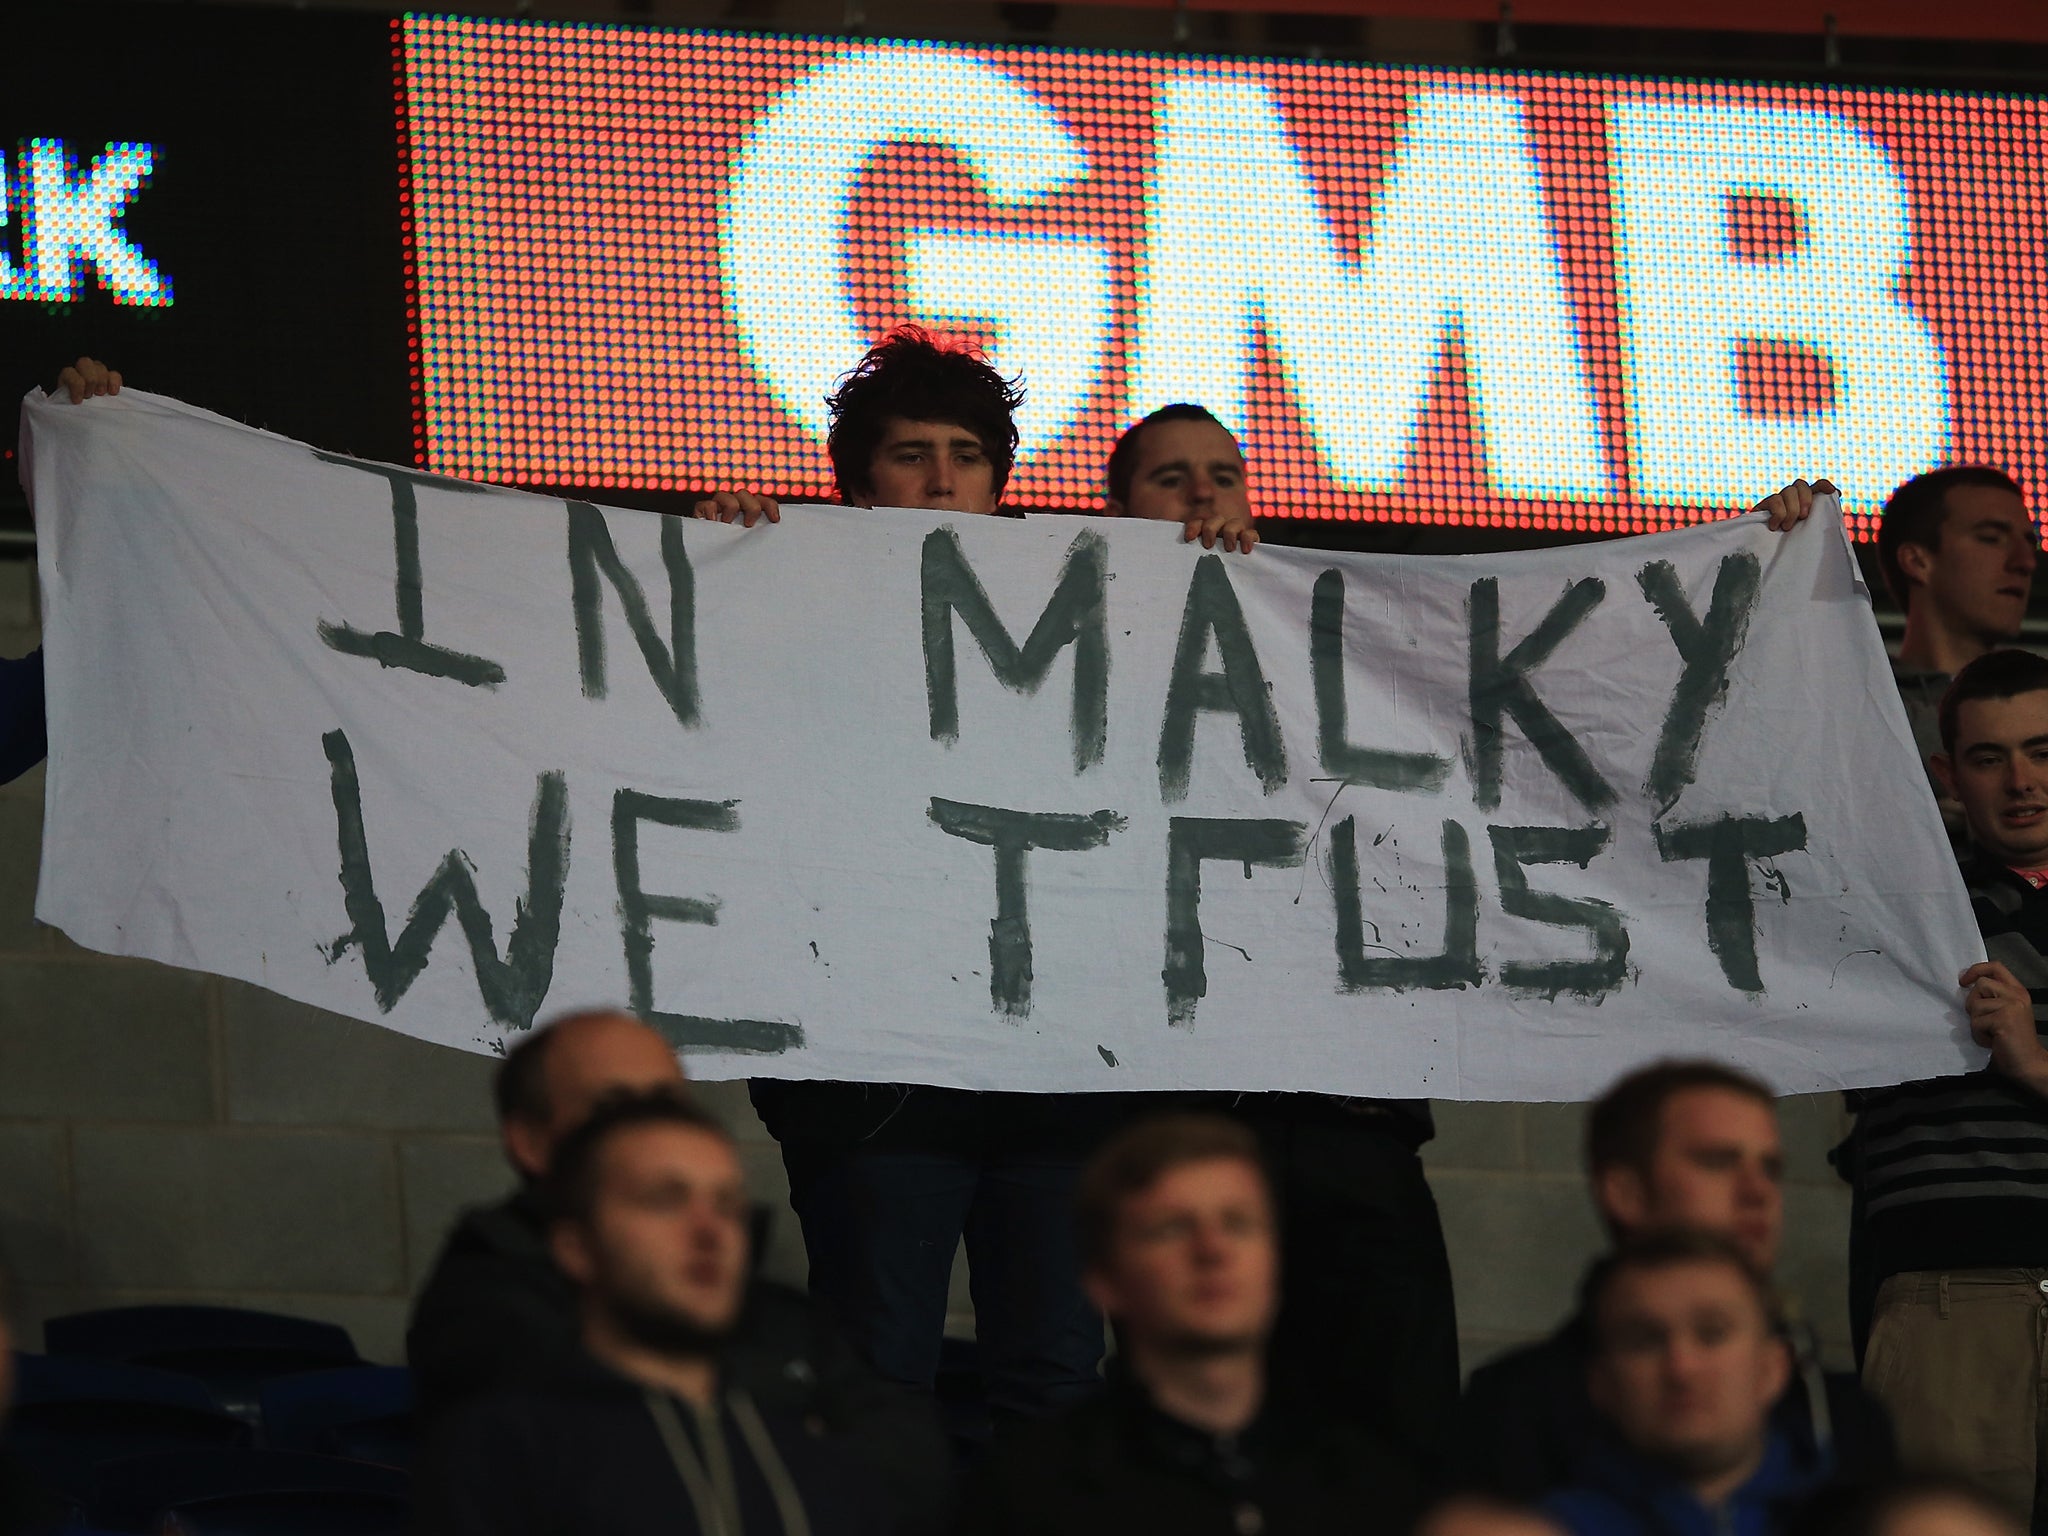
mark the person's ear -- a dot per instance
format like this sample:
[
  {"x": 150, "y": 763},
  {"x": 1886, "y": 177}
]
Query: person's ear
[
  {"x": 1102, "y": 1292},
  {"x": 527, "y": 1145},
  {"x": 1111, "y": 507},
  {"x": 1916, "y": 562},
  {"x": 1777, "y": 1371},
  {"x": 1623, "y": 1196},
  {"x": 1944, "y": 768},
  {"x": 569, "y": 1246}
]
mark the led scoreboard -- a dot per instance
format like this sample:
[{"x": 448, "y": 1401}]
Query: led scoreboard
[{"x": 642, "y": 258}]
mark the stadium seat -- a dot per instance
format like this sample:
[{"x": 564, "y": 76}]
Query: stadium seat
[
  {"x": 363, "y": 1412},
  {"x": 233, "y": 1350},
  {"x": 246, "y": 1492},
  {"x": 71, "y": 1416}
]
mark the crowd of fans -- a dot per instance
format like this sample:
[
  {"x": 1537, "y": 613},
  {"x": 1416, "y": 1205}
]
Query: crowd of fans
[{"x": 596, "y": 1354}]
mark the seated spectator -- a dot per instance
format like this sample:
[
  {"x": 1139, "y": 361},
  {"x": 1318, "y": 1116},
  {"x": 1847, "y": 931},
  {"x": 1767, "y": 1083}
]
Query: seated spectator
[
  {"x": 1678, "y": 1145},
  {"x": 1177, "y": 1230},
  {"x": 1686, "y": 1362},
  {"x": 1470, "y": 1515},
  {"x": 498, "y": 1312},
  {"x": 1950, "y": 1171},
  {"x": 645, "y": 1431}
]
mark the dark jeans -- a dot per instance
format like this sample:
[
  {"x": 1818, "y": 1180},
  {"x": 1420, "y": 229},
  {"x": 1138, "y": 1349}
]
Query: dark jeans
[
  {"x": 888, "y": 1181},
  {"x": 1368, "y": 1329}
]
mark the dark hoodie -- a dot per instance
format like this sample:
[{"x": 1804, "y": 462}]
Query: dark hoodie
[
  {"x": 497, "y": 1314},
  {"x": 1117, "y": 1465},
  {"x": 586, "y": 1453},
  {"x": 1618, "y": 1493}
]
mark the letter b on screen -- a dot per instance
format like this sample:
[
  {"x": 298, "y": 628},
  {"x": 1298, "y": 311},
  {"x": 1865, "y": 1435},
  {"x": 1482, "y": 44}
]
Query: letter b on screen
[{"x": 1693, "y": 300}]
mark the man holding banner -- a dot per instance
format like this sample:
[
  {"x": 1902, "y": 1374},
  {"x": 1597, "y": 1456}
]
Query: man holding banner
[
  {"x": 1368, "y": 1324},
  {"x": 1950, "y": 1171},
  {"x": 888, "y": 1179}
]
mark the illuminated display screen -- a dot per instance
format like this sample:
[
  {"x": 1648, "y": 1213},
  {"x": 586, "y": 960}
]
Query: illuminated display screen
[
  {"x": 643, "y": 258},
  {"x": 214, "y": 214},
  {"x": 71, "y": 223}
]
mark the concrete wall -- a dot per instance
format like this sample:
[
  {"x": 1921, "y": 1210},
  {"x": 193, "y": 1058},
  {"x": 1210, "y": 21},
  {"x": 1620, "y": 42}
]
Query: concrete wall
[{"x": 166, "y": 1136}]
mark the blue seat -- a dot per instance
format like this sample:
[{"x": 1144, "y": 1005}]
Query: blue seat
[
  {"x": 71, "y": 1416},
  {"x": 233, "y": 1350},
  {"x": 248, "y": 1492},
  {"x": 363, "y": 1412}
]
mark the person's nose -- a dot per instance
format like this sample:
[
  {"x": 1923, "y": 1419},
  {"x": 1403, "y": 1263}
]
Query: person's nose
[
  {"x": 1681, "y": 1361},
  {"x": 938, "y": 478},
  {"x": 1753, "y": 1187}
]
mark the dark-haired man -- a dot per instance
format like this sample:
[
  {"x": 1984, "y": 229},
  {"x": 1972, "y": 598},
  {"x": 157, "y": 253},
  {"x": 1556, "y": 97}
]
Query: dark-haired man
[
  {"x": 495, "y": 1310},
  {"x": 1679, "y": 1146},
  {"x": 498, "y": 1313},
  {"x": 1951, "y": 1171},
  {"x": 645, "y": 1431},
  {"x": 1190, "y": 1436},
  {"x": 889, "y": 1179},
  {"x": 1685, "y": 1364},
  {"x": 1958, "y": 550},
  {"x": 1181, "y": 465},
  {"x": 915, "y": 424},
  {"x": 1367, "y": 1326}
]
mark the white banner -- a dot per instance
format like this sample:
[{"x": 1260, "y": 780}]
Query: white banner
[{"x": 1059, "y": 803}]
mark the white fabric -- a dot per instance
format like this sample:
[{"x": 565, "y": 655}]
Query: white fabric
[{"x": 189, "y": 565}]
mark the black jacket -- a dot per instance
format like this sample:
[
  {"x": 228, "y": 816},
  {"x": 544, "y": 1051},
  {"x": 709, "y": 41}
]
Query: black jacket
[
  {"x": 1525, "y": 1423},
  {"x": 1116, "y": 1466},
  {"x": 582, "y": 1455},
  {"x": 497, "y": 1314}
]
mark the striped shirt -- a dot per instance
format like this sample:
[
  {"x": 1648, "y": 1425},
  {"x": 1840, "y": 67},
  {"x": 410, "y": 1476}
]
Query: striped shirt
[{"x": 1954, "y": 1170}]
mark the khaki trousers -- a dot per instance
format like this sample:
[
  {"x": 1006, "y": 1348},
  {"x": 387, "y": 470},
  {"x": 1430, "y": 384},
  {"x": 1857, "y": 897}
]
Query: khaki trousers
[{"x": 1960, "y": 1358}]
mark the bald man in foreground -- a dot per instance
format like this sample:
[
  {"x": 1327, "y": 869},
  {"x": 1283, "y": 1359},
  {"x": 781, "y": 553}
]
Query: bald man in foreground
[{"x": 496, "y": 1313}]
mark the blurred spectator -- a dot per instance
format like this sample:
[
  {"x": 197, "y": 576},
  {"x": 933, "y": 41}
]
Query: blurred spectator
[
  {"x": 1468, "y": 1515},
  {"x": 1953, "y": 1172},
  {"x": 645, "y": 1432},
  {"x": 1685, "y": 1364},
  {"x": 497, "y": 1311},
  {"x": 1189, "y": 1436},
  {"x": 890, "y": 1178},
  {"x": 1689, "y": 1145}
]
